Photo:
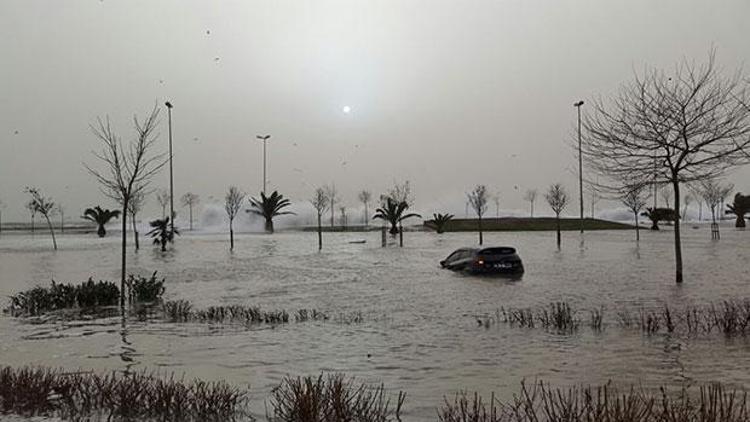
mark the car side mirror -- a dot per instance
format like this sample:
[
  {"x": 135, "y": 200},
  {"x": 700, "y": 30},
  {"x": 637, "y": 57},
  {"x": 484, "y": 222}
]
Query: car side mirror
[{"x": 442, "y": 263}]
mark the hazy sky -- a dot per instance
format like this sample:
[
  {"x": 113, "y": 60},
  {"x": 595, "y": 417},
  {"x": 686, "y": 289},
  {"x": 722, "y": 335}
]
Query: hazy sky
[{"x": 446, "y": 94}]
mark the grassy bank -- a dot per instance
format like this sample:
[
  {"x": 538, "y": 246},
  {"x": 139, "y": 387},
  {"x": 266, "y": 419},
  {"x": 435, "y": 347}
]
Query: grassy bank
[{"x": 528, "y": 224}]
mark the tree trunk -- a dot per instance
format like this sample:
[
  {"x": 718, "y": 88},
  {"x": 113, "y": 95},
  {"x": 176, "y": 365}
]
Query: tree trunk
[
  {"x": 101, "y": 231},
  {"x": 401, "y": 236},
  {"x": 123, "y": 255},
  {"x": 269, "y": 225},
  {"x": 677, "y": 240},
  {"x": 481, "y": 240},
  {"x": 231, "y": 236},
  {"x": 637, "y": 228},
  {"x": 135, "y": 232},
  {"x": 367, "y": 215},
  {"x": 333, "y": 223},
  {"x": 52, "y": 231},
  {"x": 394, "y": 228},
  {"x": 320, "y": 233},
  {"x": 557, "y": 221},
  {"x": 190, "y": 207}
]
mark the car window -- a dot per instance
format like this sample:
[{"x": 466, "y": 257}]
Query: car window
[{"x": 455, "y": 255}]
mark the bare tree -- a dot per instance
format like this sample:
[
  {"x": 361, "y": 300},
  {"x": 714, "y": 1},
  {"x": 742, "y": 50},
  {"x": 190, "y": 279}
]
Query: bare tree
[
  {"x": 713, "y": 192},
  {"x": 666, "y": 194},
  {"x": 332, "y": 200},
  {"x": 557, "y": 199},
  {"x": 687, "y": 199},
  {"x": 530, "y": 196},
  {"x": 190, "y": 200},
  {"x": 162, "y": 197},
  {"x": 61, "y": 212},
  {"x": 401, "y": 192},
  {"x": 320, "y": 202},
  {"x": 496, "y": 199},
  {"x": 365, "y": 196},
  {"x": 45, "y": 207},
  {"x": 478, "y": 201},
  {"x": 342, "y": 211},
  {"x": 128, "y": 170},
  {"x": 635, "y": 197},
  {"x": 32, "y": 212},
  {"x": 675, "y": 128},
  {"x": 135, "y": 205},
  {"x": 2, "y": 205},
  {"x": 232, "y": 205},
  {"x": 595, "y": 195}
]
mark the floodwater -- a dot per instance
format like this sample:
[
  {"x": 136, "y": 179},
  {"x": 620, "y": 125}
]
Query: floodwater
[{"x": 420, "y": 332}]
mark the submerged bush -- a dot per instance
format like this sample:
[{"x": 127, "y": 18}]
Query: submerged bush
[
  {"x": 89, "y": 294},
  {"x": 39, "y": 300},
  {"x": 332, "y": 399},
  {"x": 113, "y": 396},
  {"x": 540, "y": 402},
  {"x": 730, "y": 318},
  {"x": 144, "y": 289},
  {"x": 182, "y": 311}
]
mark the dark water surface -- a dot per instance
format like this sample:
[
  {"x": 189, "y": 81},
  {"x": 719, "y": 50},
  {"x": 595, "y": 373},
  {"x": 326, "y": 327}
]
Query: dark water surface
[{"x": 420, "y": 332}]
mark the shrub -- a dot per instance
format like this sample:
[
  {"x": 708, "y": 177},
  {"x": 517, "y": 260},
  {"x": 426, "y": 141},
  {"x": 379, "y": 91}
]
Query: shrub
[
  {"x": 540, "y": 402},
  {"x": 137, "y": 396},
  {"x": 39, "y": 300},
  {"x": 144, "y": 289},
  {"x": 332, "y": 399}
]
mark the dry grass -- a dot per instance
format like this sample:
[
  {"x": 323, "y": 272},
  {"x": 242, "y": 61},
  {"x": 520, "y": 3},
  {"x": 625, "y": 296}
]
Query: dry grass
[
  {"x": 332, "y": 398},
  {"x": 139, "y": 396},
  {"x": 183, "y": 311},
  {"x": 730, "y": 318},
  {"x": 542, "y": 403}
]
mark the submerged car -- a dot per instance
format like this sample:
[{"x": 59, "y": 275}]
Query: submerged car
[{"x": 496, "y": 260}]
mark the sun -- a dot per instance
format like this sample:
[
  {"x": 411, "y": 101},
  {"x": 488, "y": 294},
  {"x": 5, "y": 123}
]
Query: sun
[{"x": 346, "y": 109}]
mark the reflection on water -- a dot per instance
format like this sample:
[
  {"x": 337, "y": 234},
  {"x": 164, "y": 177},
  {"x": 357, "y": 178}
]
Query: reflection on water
[{"x": 420, "y": 332}]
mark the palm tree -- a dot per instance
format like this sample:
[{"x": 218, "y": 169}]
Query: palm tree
[
  {"x": 162, "y": 232},
  {"x": 269, "y": 207},
  {"x": 739, "y": 207},
  {"x": 393, "y": 213},
  {"x": 440, "y": 220},
  {"x": 100, "y": 217}
]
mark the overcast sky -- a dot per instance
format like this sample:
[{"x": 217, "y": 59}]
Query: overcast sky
[{"x": 446, "y": 94}]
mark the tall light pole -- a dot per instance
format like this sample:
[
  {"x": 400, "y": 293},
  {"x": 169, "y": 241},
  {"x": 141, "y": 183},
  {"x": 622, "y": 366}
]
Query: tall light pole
[
  {"x": 171, "y": 174},
  {"x": 264, "y": 138},
  {"x": 580, "y": 160}
]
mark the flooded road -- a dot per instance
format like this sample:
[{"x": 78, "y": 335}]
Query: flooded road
[{"x": 420, "y": 332}]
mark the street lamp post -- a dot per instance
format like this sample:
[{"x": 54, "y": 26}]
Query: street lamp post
[
  {"x": 264, "y": 138},
  {"x": 171, "y": 174},
  {"x": 580, "y": 161}
]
